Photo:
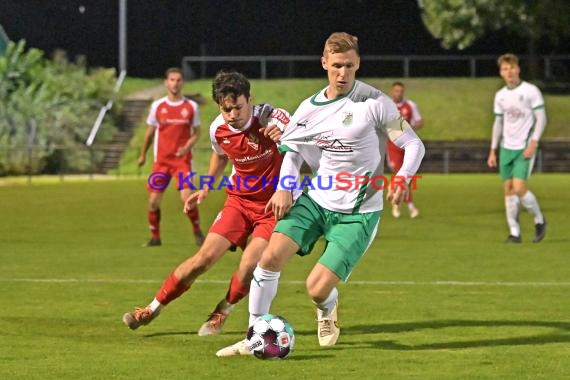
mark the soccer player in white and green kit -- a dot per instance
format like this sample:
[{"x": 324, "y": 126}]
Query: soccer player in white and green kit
[
  {"x": 520, "y": 120},
  {"x": 339, "y": 131}
]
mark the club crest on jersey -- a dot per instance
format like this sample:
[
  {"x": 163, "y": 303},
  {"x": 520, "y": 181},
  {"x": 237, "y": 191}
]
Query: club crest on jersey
[
  {"x": 184, "y": 113},
  {"x": 164, "y": 111},
  {"x": 253, "y": 141},
  {"x": 226, "y": 141},
  {"x": 346, "y": 118}
]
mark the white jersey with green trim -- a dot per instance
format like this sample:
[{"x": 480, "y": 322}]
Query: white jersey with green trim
[
  {"x": 343, "y": 138},
  {"x": 516, "y": 107}
]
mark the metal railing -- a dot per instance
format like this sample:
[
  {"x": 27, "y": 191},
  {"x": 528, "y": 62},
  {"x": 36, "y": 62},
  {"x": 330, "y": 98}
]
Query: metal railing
[{"x": 405, "y": 65}]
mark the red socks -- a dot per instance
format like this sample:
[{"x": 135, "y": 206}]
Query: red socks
[
  {"x": 194, "y": 217},
  {"x": 154, "y": 223},
  {"x": 171, "y": 289},
  {"x": 237, "y": 291}
]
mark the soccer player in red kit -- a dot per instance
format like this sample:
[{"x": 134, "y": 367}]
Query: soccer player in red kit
[
  {"x": 174, "y": 124},
  {"x": 241, "y": 134},
  {"x": 410, "y": 112}
]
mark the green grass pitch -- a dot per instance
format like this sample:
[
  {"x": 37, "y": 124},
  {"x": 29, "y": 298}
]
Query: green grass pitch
[{"x": 440, "y": 297}]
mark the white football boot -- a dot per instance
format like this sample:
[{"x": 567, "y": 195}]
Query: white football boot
[
  {"x": 239, "y": 348},
  {"x": 396, "y": 211},
  {"x": 327, "y": 327}
]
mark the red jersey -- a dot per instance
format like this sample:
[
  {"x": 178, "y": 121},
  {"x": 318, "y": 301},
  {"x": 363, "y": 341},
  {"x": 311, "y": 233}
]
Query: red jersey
[
  {"x": 173, "y": 122},
  {"x": 256, "y": 159},
  {"x": 409, "y": 111}
]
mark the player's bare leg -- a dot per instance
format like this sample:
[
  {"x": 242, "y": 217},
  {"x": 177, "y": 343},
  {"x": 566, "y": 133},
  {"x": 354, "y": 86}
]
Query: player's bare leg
[
  {"x": 264, "y": 284},
  {"x": 154, "y": 200},
  {"x": 529, "y": 202},
  {"x": 194, "y": 217},
  {"x": 180, "y": 280},
  {"x": 321, "y": 287},
  {"x": 239, "y": 288}
]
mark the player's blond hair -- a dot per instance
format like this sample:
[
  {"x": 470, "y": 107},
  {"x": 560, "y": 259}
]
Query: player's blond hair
[
  {"x": 340, "y": 42},
  {"x": 509, "y": 59}
]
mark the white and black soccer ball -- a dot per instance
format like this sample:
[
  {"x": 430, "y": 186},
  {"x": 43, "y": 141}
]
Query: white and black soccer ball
[{"x": 270, "y": 337}]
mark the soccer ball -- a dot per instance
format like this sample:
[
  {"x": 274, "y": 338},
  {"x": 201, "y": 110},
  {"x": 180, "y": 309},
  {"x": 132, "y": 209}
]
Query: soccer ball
[{"x": 270, "y": 337}]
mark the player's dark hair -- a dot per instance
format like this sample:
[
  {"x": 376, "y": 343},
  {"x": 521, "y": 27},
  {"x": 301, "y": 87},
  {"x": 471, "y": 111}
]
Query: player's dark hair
[
  {"x": 171, "y": 70},
  {"x": 398, "y": 83},
  {"x": 229, "y": 84}
]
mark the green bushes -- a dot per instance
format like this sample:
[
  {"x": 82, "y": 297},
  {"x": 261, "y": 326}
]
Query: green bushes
[{"x": 47, "y": 108}]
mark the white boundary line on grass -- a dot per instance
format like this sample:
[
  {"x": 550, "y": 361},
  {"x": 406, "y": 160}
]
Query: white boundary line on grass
[{"x": 355, "y": 282}]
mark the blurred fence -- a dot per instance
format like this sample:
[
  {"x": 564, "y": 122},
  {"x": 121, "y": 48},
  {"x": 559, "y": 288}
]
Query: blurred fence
[
  {"x": 551, "y": 67},
  {"x": 441, "y": 157}
]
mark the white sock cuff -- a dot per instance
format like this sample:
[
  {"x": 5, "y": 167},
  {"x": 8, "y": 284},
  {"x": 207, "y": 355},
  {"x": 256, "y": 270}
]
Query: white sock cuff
[
  {"x": 327, "y": 305},
  {"x": 528, "y": 197},
  {"x": 266, "y": 275}
]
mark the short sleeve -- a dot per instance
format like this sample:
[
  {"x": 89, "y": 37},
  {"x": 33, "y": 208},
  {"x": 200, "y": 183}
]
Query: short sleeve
[
  {"x": 215, "y": 146},
  {"x": 151, "y": 118},
  {"x": 384, "y": 111},
  {"x": 416, "y": 115},
  {"x": 536, "y": 99},
  {"x": 196, "y": 118}
]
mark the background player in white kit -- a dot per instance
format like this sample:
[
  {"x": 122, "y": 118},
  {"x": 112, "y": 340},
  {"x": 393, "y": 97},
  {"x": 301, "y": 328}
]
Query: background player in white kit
[
  {"x": 520, "y": 120},
  {"x": 342, "y": 128}
]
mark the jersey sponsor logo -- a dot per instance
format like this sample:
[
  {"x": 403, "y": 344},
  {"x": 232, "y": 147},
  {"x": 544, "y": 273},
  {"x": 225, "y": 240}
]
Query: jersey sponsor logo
[
  {"x": 333, "y": 146},
  {"x": 513, "y": 114},
  {"x": 257, "y": 157}
]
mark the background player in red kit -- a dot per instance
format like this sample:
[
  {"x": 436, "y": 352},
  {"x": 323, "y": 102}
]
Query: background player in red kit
[
  {"x": 237, "y": 134},
  {"x": 174, "y": 123},
  {"x": 410, "y": 112}
]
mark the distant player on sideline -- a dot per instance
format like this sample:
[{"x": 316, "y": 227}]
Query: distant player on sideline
[
  {"x": 341, "y": 129},
  {"x": 411, "y": 113},
  {"x": 520, "y": 120},
  {"x": 174, "y": 124},
  {"x": 237, "y": 134}
]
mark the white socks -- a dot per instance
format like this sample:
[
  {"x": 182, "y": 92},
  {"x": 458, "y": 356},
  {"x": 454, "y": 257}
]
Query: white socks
[
  {"x": 155, "y": 305},
  {"x": 531, "y": 204},
  {"x": 325, "y": 307},
  {"x": 261, "y": 292},
  {"x": 512, "y": 203}
]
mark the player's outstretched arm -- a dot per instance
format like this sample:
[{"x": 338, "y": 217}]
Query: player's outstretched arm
[
  {"x": 281, "y": 202},
  {"x": 217, "y": 164},
  {"x": 148, "y": 136},
  {"x": 404, "y": 137}
]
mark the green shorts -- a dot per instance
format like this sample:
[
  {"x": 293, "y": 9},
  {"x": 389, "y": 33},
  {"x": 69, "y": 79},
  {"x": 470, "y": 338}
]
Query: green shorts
[
  {"x": 512, "y": 164},
  {"x": 347, "y": 236}
]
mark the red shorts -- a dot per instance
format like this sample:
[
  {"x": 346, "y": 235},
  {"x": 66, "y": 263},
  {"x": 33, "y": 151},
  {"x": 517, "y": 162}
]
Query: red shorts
[
  {"x": 162, "y": 173},
  {"x": 395, "y": 156},
  {"x": 240, "y": 218}
]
